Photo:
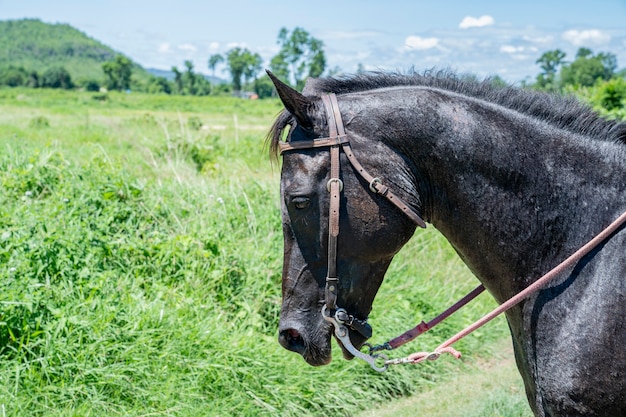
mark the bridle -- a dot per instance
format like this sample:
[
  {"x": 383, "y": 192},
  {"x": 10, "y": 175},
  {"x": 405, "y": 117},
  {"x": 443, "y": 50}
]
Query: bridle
[{"x": 338, "y": 141}]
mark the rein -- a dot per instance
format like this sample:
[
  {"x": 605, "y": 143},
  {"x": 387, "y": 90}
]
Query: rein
[{"x": 340, "y": 319}]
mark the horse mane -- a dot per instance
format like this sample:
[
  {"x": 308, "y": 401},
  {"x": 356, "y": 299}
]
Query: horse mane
[{"x": 562, "y": 111}]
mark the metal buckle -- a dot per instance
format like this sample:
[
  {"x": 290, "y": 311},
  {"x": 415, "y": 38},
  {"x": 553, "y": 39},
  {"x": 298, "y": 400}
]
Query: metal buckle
[
  {"x": 330, "y": 181},
  {"x": 373, "y": 185}
]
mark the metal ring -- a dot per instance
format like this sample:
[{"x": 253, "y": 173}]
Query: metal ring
[
  {"x": 380, "y": 361},
  {"x": 373, "y": 183},
  {"x": 327, "y": 316},
  {"x": 341, "y": 312},
  {"x": 330, "y": 181}
]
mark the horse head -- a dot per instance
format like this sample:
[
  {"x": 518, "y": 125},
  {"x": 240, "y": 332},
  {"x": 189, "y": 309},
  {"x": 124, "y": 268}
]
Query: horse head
[{"x": 371, "y": 229}]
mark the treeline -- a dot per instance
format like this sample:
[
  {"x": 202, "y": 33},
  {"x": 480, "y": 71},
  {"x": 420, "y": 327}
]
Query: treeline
[
  {"x": 56, "y": 77},
  {"x": 593, "y": 76},
  {"x": 117, "y": 75},
  {"x": 300, "y": 56}
]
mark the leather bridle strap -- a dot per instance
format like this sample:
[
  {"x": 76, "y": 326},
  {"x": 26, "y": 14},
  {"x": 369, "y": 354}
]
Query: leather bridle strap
[{"x": 335, "y": 186}]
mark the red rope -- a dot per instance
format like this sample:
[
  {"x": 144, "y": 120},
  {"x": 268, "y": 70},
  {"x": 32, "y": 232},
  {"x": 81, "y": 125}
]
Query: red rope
[
  {"x": 423, "y": 327},
  {"x": 446, "y": 347}
]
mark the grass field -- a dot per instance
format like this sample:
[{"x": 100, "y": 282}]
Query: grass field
[
  {"x": 491, "y": 388},
  {"x": 140, "y": 259}
]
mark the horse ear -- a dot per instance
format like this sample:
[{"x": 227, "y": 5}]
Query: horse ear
[{"x": 295, "y": 103}]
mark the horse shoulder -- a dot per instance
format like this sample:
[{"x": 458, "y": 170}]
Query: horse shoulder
[{"x": 578, "y": 337}]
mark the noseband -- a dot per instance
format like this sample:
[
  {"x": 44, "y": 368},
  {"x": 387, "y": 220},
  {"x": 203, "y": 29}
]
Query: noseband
[{"x": 337, "y": 141}]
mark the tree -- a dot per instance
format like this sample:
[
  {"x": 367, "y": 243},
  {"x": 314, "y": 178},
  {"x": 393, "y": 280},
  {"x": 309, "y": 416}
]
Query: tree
[
  {"x": 236, "y": 63},
  {"x": 279, "y": 66},
  {"x": 178, "y": 80},
  {"x": 611, "y": 95},
  {"x": 57, "y": 77},
  {"x": 242, "y": 64},
  {"x": 33, "y": 79},
  {"x": 13, "y": 76},
  {"x": 159, "y": 85},
  {"x": 118, "y": 73},
  {"x": 264, "y": 87},
  {"x": 90, "y": 85},
  {"x": 254, "y": 64},
  {"x": 189, "y": 79},
  {"x": 301, "y": 53},
  {"x": 588, "y": 68},
  {"x": 549, "y": 62},
  {"x": 214, "y": 61}
]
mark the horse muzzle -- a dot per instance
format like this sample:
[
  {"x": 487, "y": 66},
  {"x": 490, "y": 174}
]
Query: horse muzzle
[{"x": 313, "y": 346}]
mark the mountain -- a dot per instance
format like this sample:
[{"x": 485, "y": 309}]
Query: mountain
[{"x": 35, "y": 45}]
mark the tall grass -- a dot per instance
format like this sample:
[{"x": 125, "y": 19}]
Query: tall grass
[{"x": 140, "y": 259}]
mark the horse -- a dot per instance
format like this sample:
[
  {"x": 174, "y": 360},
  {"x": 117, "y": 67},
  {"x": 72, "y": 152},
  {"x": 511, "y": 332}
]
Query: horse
[{"x": 515, "y": 179}]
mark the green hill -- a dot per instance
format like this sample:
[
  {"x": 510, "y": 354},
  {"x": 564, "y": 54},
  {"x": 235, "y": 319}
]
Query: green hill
[{"x": 35, "y": 45}]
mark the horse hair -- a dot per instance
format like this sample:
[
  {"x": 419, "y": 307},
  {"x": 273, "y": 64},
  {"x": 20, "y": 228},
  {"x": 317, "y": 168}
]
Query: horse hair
[{"x": 564, "y": 112}]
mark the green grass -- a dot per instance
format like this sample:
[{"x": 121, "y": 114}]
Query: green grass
[{"x": 140, "y": 259}]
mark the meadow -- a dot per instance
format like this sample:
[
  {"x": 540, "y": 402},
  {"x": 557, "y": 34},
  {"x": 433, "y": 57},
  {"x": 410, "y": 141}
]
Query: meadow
[{"x": 140, "y": 261}]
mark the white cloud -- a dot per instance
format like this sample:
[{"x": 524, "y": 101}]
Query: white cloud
[
  {"x": 476, "y": 22},
  {"x": 546, "y": 39},
  {"x": 510, "y": 49},
  {"x": 417, "y": 42},
  {"x": 214, "y": 46},
  {"x": 586, "y": 37},
  {"x": 187, "y": 47},
  {"x": 164, "y": 48},
  {"x": 232, "y": 45}
]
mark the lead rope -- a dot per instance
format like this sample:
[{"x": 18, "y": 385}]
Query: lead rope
[{"x": 446, "y": 347}]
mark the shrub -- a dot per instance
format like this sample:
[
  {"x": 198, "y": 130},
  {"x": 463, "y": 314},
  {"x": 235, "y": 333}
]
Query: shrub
[
  {"x": 39, "y": 122},
  {"x": 194, "y": 123},
  {"x": 612, "y": 94},
  {"x": 13, "y": 77},
  {"x": 57, "y": 77},
  {"x": 90, "y": 85},
  {"x": 159, "y": 85}
]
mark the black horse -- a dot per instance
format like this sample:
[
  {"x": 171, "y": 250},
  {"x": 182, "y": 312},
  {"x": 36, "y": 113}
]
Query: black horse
[{"x": 516, "y": 180}]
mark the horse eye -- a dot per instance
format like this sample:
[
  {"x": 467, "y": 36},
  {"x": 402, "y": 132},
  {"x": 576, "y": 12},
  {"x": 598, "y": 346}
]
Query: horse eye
[{"x": 300, "y": 203}]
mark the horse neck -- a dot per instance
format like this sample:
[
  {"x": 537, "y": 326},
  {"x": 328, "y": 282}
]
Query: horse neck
[{"x": 510, "y": 193}]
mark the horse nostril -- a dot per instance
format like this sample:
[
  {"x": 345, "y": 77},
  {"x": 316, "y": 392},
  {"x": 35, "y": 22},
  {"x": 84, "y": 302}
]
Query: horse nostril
[{"x": 291, "y": 339}]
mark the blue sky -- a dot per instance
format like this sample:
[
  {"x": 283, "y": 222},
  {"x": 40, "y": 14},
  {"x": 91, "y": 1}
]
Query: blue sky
[{"x": 483, "y": 37}]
